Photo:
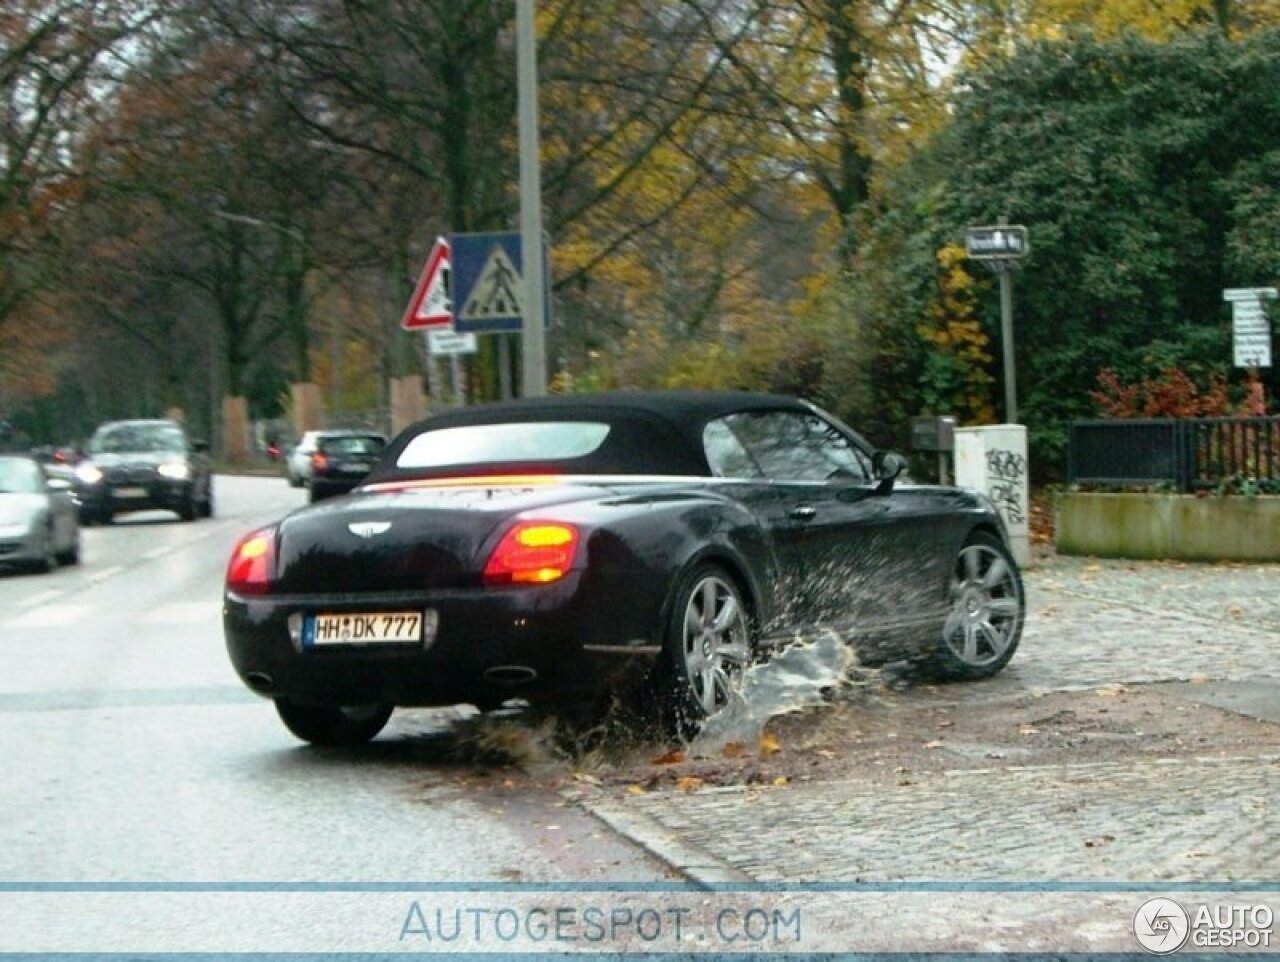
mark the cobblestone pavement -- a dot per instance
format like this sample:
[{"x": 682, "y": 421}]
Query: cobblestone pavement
[{"x": 1085, "y": 817}]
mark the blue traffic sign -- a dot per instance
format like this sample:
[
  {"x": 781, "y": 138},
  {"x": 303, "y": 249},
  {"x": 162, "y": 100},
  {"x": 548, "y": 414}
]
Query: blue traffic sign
[{"x": 488, "y": 286}]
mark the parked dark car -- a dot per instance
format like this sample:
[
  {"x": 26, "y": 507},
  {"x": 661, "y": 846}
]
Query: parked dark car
[
  {"x": 341, "y": 461},
  {"x": 141, "y": 465},
  {"x": 546, "y": 549},
  {"x": 38, "y": 524}
]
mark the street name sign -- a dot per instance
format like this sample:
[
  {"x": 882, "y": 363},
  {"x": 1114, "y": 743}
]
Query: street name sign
[
  {"x": 441, "y": 341},
  {"x": 1000, "y": 242},
  {"x": 1250, "y": 329},
  {"x": 430, "y": 305}
]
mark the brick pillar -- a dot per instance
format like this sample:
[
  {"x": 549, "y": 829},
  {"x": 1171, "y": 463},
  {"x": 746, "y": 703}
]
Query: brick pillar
[
  {"x": 235, "y": 429},
  {"x": 408, "y": 403},
  {"x": 306, "y": 407}
]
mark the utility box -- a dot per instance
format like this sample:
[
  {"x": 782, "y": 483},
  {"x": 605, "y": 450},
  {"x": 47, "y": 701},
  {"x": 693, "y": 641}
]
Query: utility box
[
  {"x": 993, "y": 460},
  {"x": 933, "y": 433}
]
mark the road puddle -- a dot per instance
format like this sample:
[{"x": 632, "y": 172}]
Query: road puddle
[{"x": 801, "y": 676}]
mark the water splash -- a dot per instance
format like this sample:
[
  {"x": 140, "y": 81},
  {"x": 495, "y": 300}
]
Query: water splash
[{"x": 797, "y": 678}]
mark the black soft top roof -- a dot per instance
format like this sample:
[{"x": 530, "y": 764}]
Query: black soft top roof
[{"x": 655, "y": 432}]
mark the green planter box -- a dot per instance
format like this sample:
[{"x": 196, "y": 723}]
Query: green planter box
[{"x": 1182, "y": 526}]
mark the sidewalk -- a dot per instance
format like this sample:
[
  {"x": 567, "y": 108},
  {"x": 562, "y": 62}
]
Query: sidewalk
[{"x": 1134, "y": 737}]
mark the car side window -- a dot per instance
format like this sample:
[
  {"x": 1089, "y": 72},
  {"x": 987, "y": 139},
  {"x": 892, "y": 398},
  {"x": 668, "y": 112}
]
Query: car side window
[
  {"x": 796, "y": 446},
  {"x": 725, "y": 453}
]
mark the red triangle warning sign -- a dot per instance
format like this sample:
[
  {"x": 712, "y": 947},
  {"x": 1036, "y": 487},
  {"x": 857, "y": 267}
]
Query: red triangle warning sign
[{"x": 430, "y": 305}]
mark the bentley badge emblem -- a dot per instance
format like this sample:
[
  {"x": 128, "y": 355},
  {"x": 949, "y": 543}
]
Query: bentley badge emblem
[{"x": 368, "y": 529}]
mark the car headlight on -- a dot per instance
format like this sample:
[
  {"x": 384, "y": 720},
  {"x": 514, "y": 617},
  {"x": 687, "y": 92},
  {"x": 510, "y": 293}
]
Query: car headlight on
[
  {"x": 176, "y": 471},
  {"x": 88, "y": 473}
]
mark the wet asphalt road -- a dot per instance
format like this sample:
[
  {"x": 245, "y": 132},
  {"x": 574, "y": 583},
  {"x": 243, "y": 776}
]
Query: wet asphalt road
[{"x": 132, "y": 752}]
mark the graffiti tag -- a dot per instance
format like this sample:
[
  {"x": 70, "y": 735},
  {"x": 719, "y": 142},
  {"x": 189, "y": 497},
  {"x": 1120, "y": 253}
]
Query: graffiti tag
[{"x": 1006, "y": 470}]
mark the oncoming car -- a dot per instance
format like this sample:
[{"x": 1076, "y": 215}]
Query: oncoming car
[
  {"x": 551, "y": 548},
  {"x": 140, "y": 465}
]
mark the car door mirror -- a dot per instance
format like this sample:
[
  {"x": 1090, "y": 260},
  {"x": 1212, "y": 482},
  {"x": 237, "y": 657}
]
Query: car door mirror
[
  {"x": 887, "y": 466},
  {"x": 200, "y": 446}
]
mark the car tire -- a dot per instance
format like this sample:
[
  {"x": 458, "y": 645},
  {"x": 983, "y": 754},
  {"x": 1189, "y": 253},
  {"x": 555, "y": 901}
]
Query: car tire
[
  {"x": 707, "y": 646},
  {"x": 72, "y": 555},
  {"x": 206, "y": 505},
  {"x": 48, "y": 559},
  {"x": 986, "y": 613},
  {"x": 329, "y": 725},
  {"x": 187, "y": 510}
]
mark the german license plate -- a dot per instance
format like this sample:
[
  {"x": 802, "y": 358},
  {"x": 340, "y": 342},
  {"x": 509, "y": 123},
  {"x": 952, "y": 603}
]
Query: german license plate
[
  {"x": 359, "y": 628},
  {"x": 355, "y": 467},
  {"x": 130, "y": 492}
]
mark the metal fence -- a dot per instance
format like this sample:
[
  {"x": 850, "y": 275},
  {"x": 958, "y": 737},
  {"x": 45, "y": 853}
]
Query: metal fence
[{"x": 1188, "y": 454}]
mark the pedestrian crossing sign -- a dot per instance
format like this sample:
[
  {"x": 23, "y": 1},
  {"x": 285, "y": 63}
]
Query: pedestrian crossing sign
[
  {"x": 488, "y": 282},
  {"x": 496, "y": 294}
]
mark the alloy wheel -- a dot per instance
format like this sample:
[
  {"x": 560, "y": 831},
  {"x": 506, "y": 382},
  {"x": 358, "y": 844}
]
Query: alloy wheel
[
  {"x": 716, "y": 643},
  {"x": 986, "y": 604}
]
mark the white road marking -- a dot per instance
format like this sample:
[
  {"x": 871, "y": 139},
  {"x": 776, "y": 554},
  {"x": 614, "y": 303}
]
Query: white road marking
[
  {"x": 34, "y": 601},
  {"x": 52, "y": 616},
  {"x": 183, "y": 613}
]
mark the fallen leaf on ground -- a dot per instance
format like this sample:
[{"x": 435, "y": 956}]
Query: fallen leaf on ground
[
  {"x": 673, "y": 757},
  {"x": 635, "y": 790},
  {"x": 1110, "y": 691},
  {"x": 689, "y": 783},
  {"x": 933, "y": 744},
  {"x": 1028, "y": 730},
  {"x": 781, "y": 780},
  {"x": 733, "y": 750},
  {"x": 770, "y": 744}
]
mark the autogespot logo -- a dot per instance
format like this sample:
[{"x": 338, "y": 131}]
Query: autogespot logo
[{"x": 1161, "y": 925}]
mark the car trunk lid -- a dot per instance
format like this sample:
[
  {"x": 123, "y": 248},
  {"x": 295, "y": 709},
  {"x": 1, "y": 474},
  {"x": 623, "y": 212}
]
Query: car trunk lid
[{"x": 406, "y": 539}]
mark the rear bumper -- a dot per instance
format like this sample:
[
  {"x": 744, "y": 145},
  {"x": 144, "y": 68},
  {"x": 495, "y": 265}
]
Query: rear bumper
[{"x": 542, "y": 643}]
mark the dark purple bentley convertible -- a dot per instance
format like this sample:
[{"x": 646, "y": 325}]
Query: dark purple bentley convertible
[{"x": 545, "y": 549}]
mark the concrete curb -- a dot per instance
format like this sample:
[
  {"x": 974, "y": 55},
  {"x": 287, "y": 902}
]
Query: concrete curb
[{"x": 696, "y": 864}]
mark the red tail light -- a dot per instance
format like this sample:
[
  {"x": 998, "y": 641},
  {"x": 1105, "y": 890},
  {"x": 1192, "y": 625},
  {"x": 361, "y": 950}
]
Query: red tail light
[
  {"x": 249, "y": 571},
  {"x": 533, "y": 552},
  {"x": 319, "y": 461}
]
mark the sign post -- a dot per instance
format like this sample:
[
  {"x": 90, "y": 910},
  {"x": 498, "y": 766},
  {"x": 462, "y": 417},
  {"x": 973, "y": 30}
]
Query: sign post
[
  {"x": 1002, "y": 247},
  {"x": 534, "y": 337}
]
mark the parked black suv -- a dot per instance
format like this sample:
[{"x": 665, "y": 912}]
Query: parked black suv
[{"x": 138, "y": 465}]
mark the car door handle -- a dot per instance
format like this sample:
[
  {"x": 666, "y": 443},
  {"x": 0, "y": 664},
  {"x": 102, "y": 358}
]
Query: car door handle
[{"x": 804, "y": 512}]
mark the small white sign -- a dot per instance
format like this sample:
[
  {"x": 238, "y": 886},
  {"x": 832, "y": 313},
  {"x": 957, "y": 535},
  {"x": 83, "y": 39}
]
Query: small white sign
[
  {"x": 450, "y": 342},
  {"x": 1250, "y": 329}
]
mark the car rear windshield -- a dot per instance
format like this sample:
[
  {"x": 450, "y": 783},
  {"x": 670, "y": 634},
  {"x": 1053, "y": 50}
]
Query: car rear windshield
[
  {"x": 358, "y": 444},
  {"x": 130, "y": 438},
  {"x": 517, "y": 442}
]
